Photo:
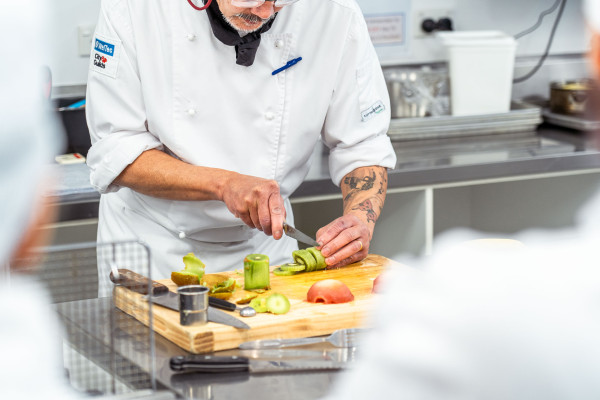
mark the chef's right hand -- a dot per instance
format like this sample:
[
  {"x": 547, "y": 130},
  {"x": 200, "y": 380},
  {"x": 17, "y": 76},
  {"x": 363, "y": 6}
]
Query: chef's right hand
[{"x": 256, "y": 201}]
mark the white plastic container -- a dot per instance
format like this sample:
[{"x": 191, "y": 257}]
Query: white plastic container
[{"x": 481, "y": 67}]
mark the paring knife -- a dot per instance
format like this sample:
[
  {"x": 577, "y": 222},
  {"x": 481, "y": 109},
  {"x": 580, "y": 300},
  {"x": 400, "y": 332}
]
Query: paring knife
[
  {"x": 221, "y": 364},
  {"x": 299, "y": 236},
  {"x": 162, "y": 296}
]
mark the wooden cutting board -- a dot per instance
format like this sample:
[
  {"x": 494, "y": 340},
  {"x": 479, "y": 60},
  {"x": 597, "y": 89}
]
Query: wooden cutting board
[{"x": 304, "y": 319}]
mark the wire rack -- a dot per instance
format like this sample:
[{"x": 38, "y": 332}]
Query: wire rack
[{"x": 105, "y": 351}]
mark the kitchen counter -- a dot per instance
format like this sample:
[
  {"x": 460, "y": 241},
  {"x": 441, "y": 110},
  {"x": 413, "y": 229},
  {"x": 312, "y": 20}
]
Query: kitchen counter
[
  {"x": 549, "y": 151},
  {"x": 421, "y": 163},
  {"x": 101, "y": 333}
]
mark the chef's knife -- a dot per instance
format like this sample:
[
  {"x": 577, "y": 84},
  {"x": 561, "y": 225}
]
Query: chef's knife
[
  {"x": 171, "y": 301},
  {"x": 161, "y": 295},
  {"x": 139, "y": 284},
  {"x": 299, "y": 236},
  {"x": 220, "y": 364}
]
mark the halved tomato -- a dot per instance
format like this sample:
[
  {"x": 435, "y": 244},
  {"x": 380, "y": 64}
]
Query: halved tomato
[{"x": 329, "y": 291}]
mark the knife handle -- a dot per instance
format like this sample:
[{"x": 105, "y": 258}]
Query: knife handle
[
  {"x": 222, "y": 304},
  {"x": 209, "y": 364},
  {"x": 138, "y": 283}
]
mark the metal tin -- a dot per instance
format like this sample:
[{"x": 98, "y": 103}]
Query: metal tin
[
  {"x": 570, "y": 97},
  {"x": 193, "y": 305}
]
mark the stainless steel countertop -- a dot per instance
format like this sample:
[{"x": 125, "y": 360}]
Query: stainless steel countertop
[
  {"x": 420, "y": 163},
  {"x": 292, "y": 386}
]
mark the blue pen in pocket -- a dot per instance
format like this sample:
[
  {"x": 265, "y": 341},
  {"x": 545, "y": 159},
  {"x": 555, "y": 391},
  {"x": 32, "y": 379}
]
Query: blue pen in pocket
[{"x": 286, "y": 66}]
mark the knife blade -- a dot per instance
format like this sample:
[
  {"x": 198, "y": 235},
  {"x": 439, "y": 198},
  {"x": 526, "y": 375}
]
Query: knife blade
[
  {"x": 171, "y": 300},
  {"x": 299, "y": 236},
  {"x": 221, "y": 364},
  {"x": 139, "y": 284}
]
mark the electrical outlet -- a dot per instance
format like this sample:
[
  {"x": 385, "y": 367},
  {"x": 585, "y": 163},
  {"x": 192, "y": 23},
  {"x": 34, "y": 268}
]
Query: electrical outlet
[
  {"x": 85, "y": 34},
  {"x": 433, "y": 14}
]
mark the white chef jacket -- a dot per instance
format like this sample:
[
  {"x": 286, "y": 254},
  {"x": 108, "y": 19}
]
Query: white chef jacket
[{"x": 159, "y": 79}]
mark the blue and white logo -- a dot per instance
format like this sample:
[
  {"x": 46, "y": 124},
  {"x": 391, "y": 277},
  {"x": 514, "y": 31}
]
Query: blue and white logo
[{"x": 103, "y": 47}]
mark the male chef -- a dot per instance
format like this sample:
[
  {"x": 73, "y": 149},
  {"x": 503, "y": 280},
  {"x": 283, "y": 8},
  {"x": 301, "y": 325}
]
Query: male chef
[{"x": 203, "y": 124}]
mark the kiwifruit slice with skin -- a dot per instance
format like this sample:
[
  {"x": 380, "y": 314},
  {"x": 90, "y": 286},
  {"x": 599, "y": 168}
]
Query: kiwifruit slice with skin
[
  {"x": 292, "y": 267},
  {"x": 321, "y": 264},
  {"x": 277, "y": 304},
  {"x": 247, "y": 299},
  {"x": 306, "y": 258},
  {"x": 222, "y": 295},
  {"x": 184, "y": 278},
  {"x": 259, "y": 304},
  {"x": 280, "y": 272}
]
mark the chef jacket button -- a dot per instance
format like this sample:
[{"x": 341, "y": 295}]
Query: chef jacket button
[
  {"x": 191, "y": 37},
  {"x": 191, "y": 112},
  {"x": 182, "y": 235},
  {"x": 269, "y": 115},
  {"x": 279, "y": 43}
]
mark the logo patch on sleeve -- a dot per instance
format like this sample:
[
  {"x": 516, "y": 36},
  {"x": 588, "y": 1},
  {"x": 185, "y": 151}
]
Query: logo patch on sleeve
[
  {"x": 105, "y": 56},
  {"x": 372, "y": 111}
]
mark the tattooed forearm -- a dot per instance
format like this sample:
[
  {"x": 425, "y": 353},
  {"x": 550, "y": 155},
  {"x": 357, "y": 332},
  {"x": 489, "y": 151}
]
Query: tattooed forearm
[
  {"x": 359, "y": 184},
  {"x": 364, "y": 192},
  {"x": 367, "y": 207},
  {"x": 364, "y": 183},
  {"x": 383, "y": 182}
]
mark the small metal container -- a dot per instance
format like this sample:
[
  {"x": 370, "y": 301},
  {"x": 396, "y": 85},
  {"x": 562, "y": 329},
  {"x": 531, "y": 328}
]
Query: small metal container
[
  {"x": 570, "y": 97},
  {"x": 193, "y": 305}
]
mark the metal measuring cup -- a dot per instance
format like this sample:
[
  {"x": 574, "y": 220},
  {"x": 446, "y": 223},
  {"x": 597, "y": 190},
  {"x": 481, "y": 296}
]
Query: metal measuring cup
[{"x": 193, "y": 305}]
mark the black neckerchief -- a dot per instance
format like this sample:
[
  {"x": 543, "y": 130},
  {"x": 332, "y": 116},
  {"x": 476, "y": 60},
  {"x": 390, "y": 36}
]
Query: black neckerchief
[{"x": 245, "y": 46}]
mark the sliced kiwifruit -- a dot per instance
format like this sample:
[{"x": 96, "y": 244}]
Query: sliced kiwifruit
[
  {"x": 222, "y": 296},
  {"x": 318, "y": 258},
  {"x": 292, "y": 267},
  {"x": 280, "y": 272},
  {"x": 247, "y": 298},
  {"x": 184, "y": 278},
  {"x": 306, "y": 258},
  {"x": 259, "y": 304},
  {"x": 277, "y": 304}
]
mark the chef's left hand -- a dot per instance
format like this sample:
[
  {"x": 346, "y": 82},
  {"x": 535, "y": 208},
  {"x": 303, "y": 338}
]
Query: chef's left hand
[{"x": 344, "y": 241}]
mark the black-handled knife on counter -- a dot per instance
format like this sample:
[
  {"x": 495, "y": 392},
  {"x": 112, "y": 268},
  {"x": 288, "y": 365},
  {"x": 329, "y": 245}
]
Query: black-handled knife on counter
[
  {"x": 163, "y": 297},
  {"x": 228, "y": 364}
]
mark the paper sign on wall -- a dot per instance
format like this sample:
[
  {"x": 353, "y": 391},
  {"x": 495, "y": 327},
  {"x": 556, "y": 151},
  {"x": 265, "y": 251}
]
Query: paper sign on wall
[{"x": 387, "y": 29}]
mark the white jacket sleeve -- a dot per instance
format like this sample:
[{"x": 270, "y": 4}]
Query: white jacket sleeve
[
  {"x": 115, "y": 109},
  {"x": 358, "y": 118}
]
